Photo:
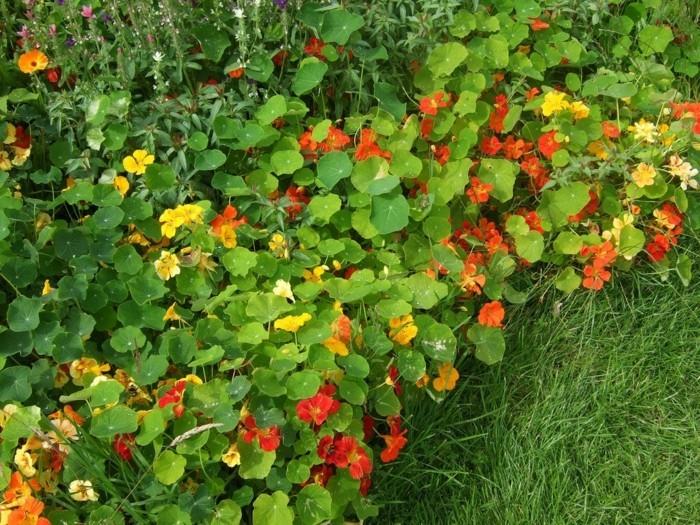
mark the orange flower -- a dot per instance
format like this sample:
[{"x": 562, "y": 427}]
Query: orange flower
[
  {"x": 610, "y": 130},
  {"x": 548, "y": 144},
  {"x": 431, "y": 104},
  {"x": 236, "y": 73},
  {"x": 32, "y": 61},
  {"x": 478, "y": 191},
  {"x": 447, "y": 380},
  {"x": 368, "y": 147},
  {"x": 470, "y": 280},
  {"x": 492, "y": 314},
  {"x": 595, "y": 277},
  {"x": 538, "y": 25}
]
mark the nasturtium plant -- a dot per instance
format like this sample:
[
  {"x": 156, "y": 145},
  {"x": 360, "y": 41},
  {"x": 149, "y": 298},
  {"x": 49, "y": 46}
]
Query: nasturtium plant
[{"x": 230, "y": 263}]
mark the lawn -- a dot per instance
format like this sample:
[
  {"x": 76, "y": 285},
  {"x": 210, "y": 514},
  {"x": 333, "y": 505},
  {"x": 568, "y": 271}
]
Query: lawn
[{"x": 592, "y": 418}]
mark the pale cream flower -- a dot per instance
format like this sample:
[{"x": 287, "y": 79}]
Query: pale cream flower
[
  {"x": 81, "y": 490},
  {"x": 283, "y": 289}
]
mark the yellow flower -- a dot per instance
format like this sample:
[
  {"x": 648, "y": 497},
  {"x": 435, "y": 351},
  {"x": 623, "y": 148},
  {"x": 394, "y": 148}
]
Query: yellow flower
[
  {"x": 597, "y": 148},
  {"x": 666, "y": 138},
  {"x": 336, "y": 346},
  {"x": 42, "y": 220},
  {"x": 191, "y": 213},
  {"x": 10, "y": 134},
  {"x": 121, "y": 184},
  {"x": 21, "y": 156},
  {"x": 283, "y": 289},
  {"x": 5, "y": 163},
  {"x": 336, "y": 265},
  {"x": 314, "y": 275},
  {"x": 167, "y": 265},
  {"x": 183, "y": 215},
  {"x": 137, "y": 161},
  {"x": 171, "y": 314},
  {"x": 644, "y": 131},
  {"x": 579, "y": 109},
  {"x": 232, "y": 457},
  {"x": 677, "y": 167},
  {"x": 81, "y": 490},
  {"x": 643, "y": 175},
  {"x": 46, "y": 290},
  {"x": 278, "y": 246},
  {"x": 139, "y": 238},
  {"x": 87, "y": 365},
  {"x": 627, "y": 219},
  {"x": 194, "y": 379},
  {"x": 25, "y": 461},
  {"x": 447, "y": 379},
  {"x": 228, "y": 236},
  {"x": 292, "y": 323},
  {"x": 554, "y": 102},
  {"x": 402, "y": 329}
]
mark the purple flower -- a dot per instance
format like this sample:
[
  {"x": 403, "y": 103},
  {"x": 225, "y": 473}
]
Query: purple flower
[
  {"x": 60, "y": 2},
  {"x": 106, "y": 18},
  {"x": 24, "y": 33},
  {"x": 282, "y": 4},
  {"x": 70, "y": 41},
  {"x": 86, "y": 11}
]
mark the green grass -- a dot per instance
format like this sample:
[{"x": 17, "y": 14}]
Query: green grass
[{"x": 592, "y": 418}]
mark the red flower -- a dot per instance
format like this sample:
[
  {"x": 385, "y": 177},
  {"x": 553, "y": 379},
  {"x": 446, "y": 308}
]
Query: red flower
[
  {"x": 22, "y": 138},
  {"x": 342, "y": 328},
  {"x": 688, "y": 109},
  {"x": 228, "y": 217},
  {"x": 426, "y": 127},
  {"x": 514, "y": 149},
  {"x": 441, "y": 152},
  {"x": 610, "y": 130},
  {"x": 325, "y": 449},
  {"x": 490, "y": 145},
  {"x": 349, "y": 454},
  {"x": 280, "y": 57},
  {"x": 368, "y": 427},
  {"x": 268, "y": 438},
  {"x": 316, "y": 409},
  {"x": 500, "y": 111},
  {"x": 336, "y": 140},
  {"x": 174, "y": 395},
  {"x": 492, "y": 314},
  {"x": 365, "y": 484},
  {"x": 589, "y": 209},
  {"x": 53, "y": 74},
  {"x": 478, "y": 191},
  {"x": 298, "y": 199},
  {"x": 658, "y": 247},
  {"x": 431, "y": 104},
  {"x": 393, "y": 380},
  {"x": 320, "y": 474},
  {"x": 595, "y": 277},
  {"x": 368, "y": 147},
  {"x": 538, "y": 25},
  {"x": 532, "y": 93},
  {"x": 532, "y": 219},
  {"x": 395, "y": 441},
  {"x": 236, "y": 73},
  {"x": 315, "y": 48},
  {"x": 548, "y": 145},
  {"x": 122, "y": 445}
]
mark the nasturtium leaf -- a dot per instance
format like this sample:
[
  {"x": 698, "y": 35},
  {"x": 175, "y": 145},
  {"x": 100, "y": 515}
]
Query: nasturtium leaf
[
  {"x": 23, "y": 314},
  {"x": 313, "y": 504},
  {"x": 259, "y": 67},
  {"x": 438, "y": 342},
  {"x": 338, "y": 25},
  {"x": 323, "y": 207},
  {"x": 171, "y": 514},
  {"x": 530, "y": 246},
  {"x": 355, "y": 365},
  {"x": 309, "y": 75},
  {"x": 390, "y": 308},
  {"x": 489, "y": 342},
  {"x": 266, "y": 307},
  {"x": 684, "y": 266},
  {"x": 314, "y": 332},
  {"x": 252, "y": 333},
  {"x": 108, "y": 218},
  {"x": 169, "y": 467},
  {"x": 255, "y": 463},
  {"x": 227, "y": 512},
  {"x": 389, "y": 213},
  {"x": 631, "y": 241},
  {"x": 116, "y": 420},
  {"x": 197, "y": 141},
  {"x": 466, "y": 103},
  {"x": 127, "y": 339},
  {"x": 303, "y": 384},
  {"x": 411, "y": 365},
  {"x": 387, "y": 95},
  {"x": 445, "y": 58},
  {"x": 516, "y": 225},
  {"x": 238, "y": 388},
  {"x": 352, "y": 390},
  {"x": 209, "y": 160},
  {"x": 568, "y": 243},
  {"x": 268, "y": 383},
  {"x": 127, "y": 260},
  {"x": 654, "y": 39},
  {"x": 386, "y": 403},
  {"x": 272, "y": 509},
  {"x": 286, "y": 162},
  {"x": 500, "y": 173},
  {"x": 152, "y": 426},
  {"x": 427, "y": 292},
  {"x": 567, "y": 280},
  {"x": 159, "y": 177},
  {"x": 333, "y": 167},
  {"x": 239, "y": 261},
  {"x": 274, "y": 108},
  {"x": 214, "y": 41},
  {"x": 14, "y": 384}
]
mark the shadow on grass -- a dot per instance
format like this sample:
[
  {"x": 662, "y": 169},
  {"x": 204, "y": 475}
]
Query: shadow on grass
[{"x": 592, "y": 418}]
